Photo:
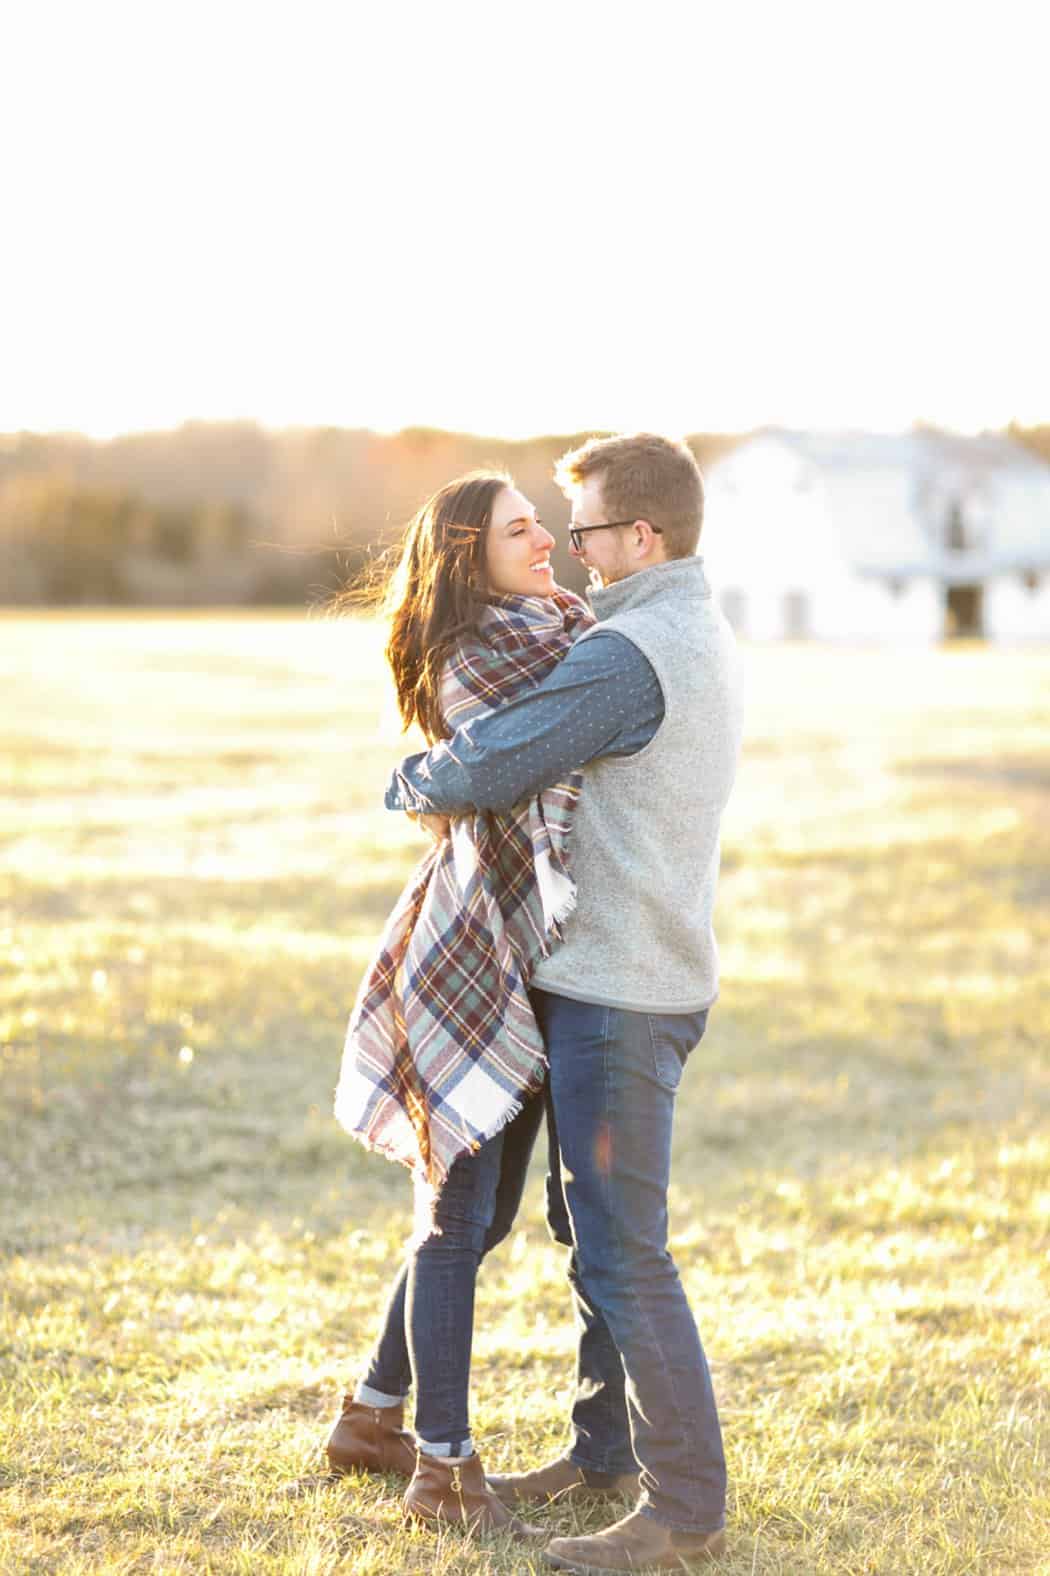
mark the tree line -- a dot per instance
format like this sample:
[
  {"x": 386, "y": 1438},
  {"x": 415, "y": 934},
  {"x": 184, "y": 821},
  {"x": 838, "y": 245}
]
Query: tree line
[{"x": 228, "y": 513}]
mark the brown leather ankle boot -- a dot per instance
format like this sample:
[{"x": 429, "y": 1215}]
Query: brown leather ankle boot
[
  {"x": 561, "y": 1480},
  {"x": 371, "y": 1439},
  {"x": 635, "y": 1543},
  {"x": 452, "y": 1491}
]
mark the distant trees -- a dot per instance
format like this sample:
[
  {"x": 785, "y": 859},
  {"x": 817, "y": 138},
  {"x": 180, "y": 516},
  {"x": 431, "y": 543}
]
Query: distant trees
[
  {"x": 63, "y": 543},
  {"x": 225, "y": 513},
  {"x": 1035, "y": 438}
]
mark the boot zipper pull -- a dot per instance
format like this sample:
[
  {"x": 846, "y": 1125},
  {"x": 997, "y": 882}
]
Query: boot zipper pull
[{"x": 457, "y": 1489}]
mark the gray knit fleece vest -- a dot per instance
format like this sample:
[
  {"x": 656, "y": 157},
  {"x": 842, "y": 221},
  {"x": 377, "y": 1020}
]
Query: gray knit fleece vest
[{"x": 645, "y": 837}]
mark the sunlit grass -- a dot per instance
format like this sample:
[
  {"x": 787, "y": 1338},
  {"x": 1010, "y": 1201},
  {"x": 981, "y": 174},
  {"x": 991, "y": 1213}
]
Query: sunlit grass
[{"x": 195, "y": 864}]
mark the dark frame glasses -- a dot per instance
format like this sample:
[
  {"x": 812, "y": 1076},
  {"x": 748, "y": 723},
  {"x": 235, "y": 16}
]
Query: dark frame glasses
[{"x": 577, "y": 532}]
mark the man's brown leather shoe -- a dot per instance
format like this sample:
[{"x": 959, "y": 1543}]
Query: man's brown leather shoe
[
  {"x": 371, "y": 1439},
  {"x": 452, "y": 1491},
  {"x": 635, "y": 1543},
  {"x": 561, "y": 1480}
]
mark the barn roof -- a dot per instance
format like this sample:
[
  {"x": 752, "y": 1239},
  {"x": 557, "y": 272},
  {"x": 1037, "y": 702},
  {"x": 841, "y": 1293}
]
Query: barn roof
[{"x": 963, "y": 507}]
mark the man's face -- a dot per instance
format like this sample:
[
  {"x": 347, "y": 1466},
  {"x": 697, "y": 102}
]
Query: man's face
[{"x": 604, "y": 553}]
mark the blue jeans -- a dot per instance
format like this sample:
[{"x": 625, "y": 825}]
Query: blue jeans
[
  {"x": 610, "y": 1103},
  {"x": 429, "y": 1322}
]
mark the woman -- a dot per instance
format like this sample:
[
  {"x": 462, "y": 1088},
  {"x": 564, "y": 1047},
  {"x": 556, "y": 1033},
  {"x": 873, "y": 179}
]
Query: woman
[{"x": 444, "y": 1064}]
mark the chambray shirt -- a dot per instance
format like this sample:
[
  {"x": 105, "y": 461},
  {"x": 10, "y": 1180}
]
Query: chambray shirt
[{"x": 603, "y": 699}]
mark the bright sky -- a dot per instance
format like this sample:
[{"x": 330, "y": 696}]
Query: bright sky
[{"x": 551, "y": 216}]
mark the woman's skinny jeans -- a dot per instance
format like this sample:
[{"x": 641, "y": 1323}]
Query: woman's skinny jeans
[{"x": 429, "y": 1321}]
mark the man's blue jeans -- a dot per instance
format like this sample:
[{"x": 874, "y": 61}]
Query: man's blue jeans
[
  {"x": 429, "y": 1322},
  {"x": 611, "y": 1093}
]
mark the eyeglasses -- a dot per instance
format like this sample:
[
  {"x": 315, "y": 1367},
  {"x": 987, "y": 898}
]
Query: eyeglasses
[{"x": 578, "y": 532}]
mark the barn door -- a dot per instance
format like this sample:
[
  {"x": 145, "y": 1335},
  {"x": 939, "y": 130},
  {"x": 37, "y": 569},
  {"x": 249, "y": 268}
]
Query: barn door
[{"x": 964, "y": 613}]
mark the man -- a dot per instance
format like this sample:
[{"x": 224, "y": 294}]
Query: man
[{"x": 647, "y": 703}]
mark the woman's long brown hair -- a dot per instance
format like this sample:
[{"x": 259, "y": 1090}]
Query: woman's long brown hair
[{"x": 436, "y": 591}]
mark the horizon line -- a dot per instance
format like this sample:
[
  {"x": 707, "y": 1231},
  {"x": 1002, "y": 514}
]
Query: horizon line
[{"x": 917, "y": 423}]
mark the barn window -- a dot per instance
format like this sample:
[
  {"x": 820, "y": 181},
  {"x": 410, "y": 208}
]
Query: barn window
[
  {"x": 895, "y": 588},
  {"x": 1030, "y": 580},
  {"x": 796, "y": 615},
  {"x": 955, "y": 533},
  {"x": 734, "y": 606}
]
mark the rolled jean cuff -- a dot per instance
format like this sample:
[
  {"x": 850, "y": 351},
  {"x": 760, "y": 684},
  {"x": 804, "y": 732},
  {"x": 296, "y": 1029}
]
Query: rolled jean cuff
[
  {"x": 369, "y": 1397},
  {"x": 457, "y": 1451}
]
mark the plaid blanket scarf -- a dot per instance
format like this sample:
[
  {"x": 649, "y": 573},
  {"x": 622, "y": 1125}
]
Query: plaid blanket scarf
[{"x": 442, "y": 1047}]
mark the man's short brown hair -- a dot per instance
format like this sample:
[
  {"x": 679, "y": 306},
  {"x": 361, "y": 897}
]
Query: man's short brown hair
[{"x": 643, "y": 477}]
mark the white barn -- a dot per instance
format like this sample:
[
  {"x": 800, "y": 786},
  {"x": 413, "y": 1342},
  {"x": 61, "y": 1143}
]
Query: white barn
[{"x": 865, "y": 536}]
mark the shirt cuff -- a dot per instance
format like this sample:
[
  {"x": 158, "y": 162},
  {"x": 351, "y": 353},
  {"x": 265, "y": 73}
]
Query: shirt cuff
[{"x": 400, "y": 793}]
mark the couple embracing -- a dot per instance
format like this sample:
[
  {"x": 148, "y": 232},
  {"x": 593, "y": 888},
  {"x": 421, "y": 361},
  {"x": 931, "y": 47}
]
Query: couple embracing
[{"x": 551, "y": 961}]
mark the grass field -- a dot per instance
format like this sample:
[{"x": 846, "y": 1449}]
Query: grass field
[{"x": 194, "y": 870}]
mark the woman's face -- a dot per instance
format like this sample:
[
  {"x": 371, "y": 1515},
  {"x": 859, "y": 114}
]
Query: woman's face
[{"x": 517, "y": 548}]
